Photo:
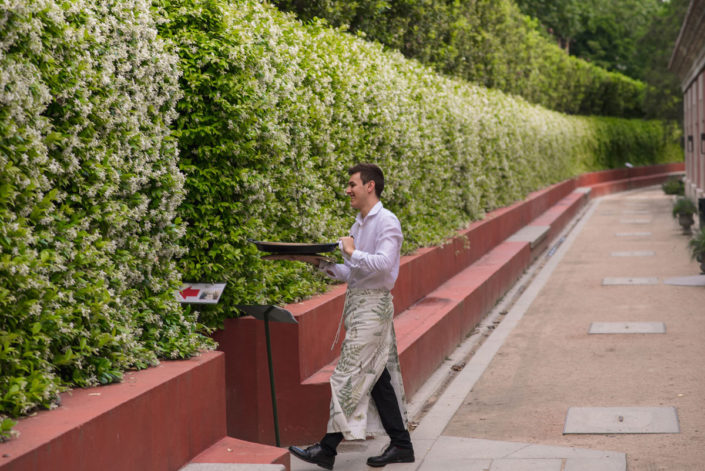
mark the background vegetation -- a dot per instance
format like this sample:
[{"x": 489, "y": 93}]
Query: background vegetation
[
  {"x": 487, "y": 42},
  {"x": 633, "y": 37},
  {"x": 145, "y": 143}
]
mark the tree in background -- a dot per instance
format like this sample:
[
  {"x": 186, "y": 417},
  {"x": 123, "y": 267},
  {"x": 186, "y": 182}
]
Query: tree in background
[
  {"x": 664, "y": 98},
  {"x": 562, "y": 19},
  {"x": 633, "y": 37},
  {"x": 604, "y": 32}
]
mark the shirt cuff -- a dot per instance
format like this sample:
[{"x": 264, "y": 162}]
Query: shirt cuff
[
  {"x": 327, "y": 268},
  {"x": 356, "y": 257}
]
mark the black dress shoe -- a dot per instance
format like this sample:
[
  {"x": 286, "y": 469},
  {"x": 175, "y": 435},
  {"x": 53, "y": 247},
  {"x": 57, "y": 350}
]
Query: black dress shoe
[
  {"x": 314, "y": 454},
  {"x": 393, "y": 454}
]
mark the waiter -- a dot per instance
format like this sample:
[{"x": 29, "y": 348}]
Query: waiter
[{"x": 366, "y": 385}]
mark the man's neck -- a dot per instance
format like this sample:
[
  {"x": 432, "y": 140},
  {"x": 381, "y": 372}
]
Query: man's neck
[{"x": 365, "y": 211}]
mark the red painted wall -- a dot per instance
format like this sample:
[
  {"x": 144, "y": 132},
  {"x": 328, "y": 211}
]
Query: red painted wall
[{"x": 157, "y": 419}]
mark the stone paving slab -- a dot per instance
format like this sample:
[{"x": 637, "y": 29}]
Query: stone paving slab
[
  {"x": 459, "y": 453},
  {"x": 633, "y": 280},
  {"x": 635, "y": 221},
  {"x": 613, "y": 464},
  {"x": 527, "y": 465},
  {"x": 697, "y": 280},
  {"x": 610, "y": 420},
  {"x": 633, "y": 234},
  {"x": 633, "y": 253},
  {"x": 627, "y": 328},
  {"x": 232, "y": 467}
]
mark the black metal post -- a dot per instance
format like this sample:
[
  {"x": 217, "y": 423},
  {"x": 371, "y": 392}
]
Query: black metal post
[{"x": 271, "y": 375}]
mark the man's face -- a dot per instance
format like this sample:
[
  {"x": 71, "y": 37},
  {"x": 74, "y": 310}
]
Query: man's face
[{"x": 358, "y": 192}]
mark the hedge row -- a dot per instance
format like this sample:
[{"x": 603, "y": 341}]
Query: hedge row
[
  {"x": 275, "y": 111},
  {"x": 89, "y": 187},
  {"x": 487, "y": 42},
  {"x": 101, "y": 104}
]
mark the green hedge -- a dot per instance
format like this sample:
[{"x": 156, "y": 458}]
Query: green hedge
[
  {"x": 89, "y": 186},
  {"x": 275, "y": 111},
  {"x": 487, "y": 42}
]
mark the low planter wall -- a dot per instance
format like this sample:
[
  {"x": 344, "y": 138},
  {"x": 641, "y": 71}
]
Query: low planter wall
[{"x": 156, "y": 419}]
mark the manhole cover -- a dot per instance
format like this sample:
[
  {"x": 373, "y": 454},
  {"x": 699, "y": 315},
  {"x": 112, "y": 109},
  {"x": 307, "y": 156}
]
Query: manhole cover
[{"x": 597, "y": 420}]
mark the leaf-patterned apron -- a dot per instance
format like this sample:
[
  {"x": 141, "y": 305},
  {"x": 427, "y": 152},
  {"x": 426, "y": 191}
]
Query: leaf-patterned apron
[{"x": 369, "y": 346}]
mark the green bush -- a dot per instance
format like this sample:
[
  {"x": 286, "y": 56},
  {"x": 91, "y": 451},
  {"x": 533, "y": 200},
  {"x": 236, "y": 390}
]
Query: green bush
[
  {"x": 683, "y": 206},
  {"x": 488, "y": 42},
  {"x": 89, "y": 186},
  {"x": 274, "y": 112},
  {"x": 674, "y": 186}
]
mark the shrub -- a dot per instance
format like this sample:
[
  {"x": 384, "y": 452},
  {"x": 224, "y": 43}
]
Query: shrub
[
  {"x": 89, "y": 186},
  {"x": 684, "y": 206},
  {"x": 696, "y": 245},
  {"x": 674, "y": 186}
]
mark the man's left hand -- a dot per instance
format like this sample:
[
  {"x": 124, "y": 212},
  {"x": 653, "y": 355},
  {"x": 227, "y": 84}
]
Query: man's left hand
[{"x": 348, "y": 245}]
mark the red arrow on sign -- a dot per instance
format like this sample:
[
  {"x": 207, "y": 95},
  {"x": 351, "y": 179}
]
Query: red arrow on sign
[{"x": 189, "y": 292}]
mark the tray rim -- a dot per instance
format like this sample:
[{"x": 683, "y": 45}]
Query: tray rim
[{"x": 294, "y": 248}]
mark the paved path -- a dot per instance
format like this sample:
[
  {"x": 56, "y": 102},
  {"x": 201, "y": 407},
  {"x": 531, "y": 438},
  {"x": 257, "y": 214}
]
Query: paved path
[{"x": 534, "y": 359}]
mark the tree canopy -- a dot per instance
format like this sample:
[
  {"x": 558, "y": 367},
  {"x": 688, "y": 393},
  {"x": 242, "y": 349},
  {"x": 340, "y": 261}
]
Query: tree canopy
[{"x": 633, "y": 37}]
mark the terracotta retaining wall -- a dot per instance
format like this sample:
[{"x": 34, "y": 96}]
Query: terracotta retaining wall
[{"x": 156, "y": 419}]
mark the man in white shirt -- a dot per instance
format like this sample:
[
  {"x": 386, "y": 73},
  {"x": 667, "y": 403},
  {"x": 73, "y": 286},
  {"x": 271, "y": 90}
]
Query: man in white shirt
[{"x": 368, "y": 367}]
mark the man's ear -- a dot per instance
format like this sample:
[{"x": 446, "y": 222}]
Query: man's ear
[{"x": 371, "y": 188}]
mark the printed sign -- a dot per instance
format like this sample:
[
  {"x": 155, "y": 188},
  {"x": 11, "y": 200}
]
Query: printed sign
[{"x": 200, "y": 293}]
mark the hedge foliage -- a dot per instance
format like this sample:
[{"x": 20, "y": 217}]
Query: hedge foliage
[
  {"x": 89, "y": 187},
  {"x": 145, "y": 143},
  {"x": 487, "y": 42},
  {"x": 275, "y": 111}
]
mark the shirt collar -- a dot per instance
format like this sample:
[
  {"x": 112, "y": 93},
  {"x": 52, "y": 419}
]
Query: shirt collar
[{"x": 375, "y": 209}]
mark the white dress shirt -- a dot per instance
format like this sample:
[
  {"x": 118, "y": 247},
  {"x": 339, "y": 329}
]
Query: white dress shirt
[{"x": 374, "y": 263}]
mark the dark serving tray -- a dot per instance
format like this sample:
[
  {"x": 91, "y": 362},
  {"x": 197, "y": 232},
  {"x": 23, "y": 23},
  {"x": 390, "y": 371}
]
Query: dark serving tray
[{"x": 294, "y": 247}]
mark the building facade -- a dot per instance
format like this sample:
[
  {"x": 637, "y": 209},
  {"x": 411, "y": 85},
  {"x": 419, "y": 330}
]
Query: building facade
[{"x": 688, "y": 63}]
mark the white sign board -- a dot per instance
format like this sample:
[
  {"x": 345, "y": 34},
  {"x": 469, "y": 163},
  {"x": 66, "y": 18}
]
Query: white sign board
[{"x": 200, "y": 293}]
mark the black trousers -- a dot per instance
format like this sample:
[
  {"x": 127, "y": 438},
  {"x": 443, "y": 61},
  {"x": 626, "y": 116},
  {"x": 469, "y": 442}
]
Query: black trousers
[{"x": 390, "y": 414}]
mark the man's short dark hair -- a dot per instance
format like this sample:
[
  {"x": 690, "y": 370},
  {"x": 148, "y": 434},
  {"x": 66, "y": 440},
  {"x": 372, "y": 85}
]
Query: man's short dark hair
[{"x": 369, "y": 172}]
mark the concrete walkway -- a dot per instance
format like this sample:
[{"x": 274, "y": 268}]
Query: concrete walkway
[{"x": 593, "y": 361}]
